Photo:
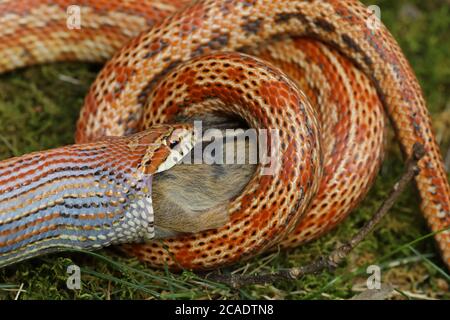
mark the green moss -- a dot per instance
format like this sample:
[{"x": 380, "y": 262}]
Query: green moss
[{"x": 39, "y": 108}]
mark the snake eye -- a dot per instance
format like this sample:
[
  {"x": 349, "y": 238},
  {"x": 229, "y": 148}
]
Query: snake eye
[{"x": 173, "y": 144}]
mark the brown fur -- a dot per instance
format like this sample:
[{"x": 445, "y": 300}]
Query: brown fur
[{"x": 189, "y": 198}]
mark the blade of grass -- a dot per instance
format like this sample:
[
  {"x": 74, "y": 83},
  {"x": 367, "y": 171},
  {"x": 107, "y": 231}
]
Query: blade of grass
[
  {"x": 430, "y": 263},
  {"x": 120, "y": 281}
]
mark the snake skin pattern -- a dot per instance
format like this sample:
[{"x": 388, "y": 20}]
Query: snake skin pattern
[
  {"x": 349, "y": 71},
  {"x": 84, "y": 196}
]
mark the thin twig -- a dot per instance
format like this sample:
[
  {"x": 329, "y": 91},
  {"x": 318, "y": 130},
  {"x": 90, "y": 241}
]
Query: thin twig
[{"x": 336, "y": 257}]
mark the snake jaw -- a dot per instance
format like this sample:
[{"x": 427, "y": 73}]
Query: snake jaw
[
  {"x": 165, "y": 146},
  {"x": 180, "y": 142},
  {"x": 161, "y": 154},
  {"x": 137, "y": 224}
]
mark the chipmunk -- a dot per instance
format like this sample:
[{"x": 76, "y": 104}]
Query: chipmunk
[{"x": 190, "y": 198}]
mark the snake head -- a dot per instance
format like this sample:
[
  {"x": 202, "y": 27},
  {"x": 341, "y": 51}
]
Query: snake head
[{"x": 167, "y": 145}]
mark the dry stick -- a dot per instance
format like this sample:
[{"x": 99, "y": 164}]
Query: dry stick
[{"x": 336, "y": 257}]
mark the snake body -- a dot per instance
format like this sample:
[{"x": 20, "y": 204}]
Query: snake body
[
  {"x": 84, "y": 196},
  {"x": 348, "y": 70}
]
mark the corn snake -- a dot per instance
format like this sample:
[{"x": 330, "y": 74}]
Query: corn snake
[{"x": 246, "y": 26}]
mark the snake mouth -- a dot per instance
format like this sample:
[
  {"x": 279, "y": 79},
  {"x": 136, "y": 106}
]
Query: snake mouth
[{"x": 180, "y": 143}]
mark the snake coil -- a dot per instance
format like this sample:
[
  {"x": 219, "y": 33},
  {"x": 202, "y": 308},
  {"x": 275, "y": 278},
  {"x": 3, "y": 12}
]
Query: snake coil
[{"x": 341, "y": 67}]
